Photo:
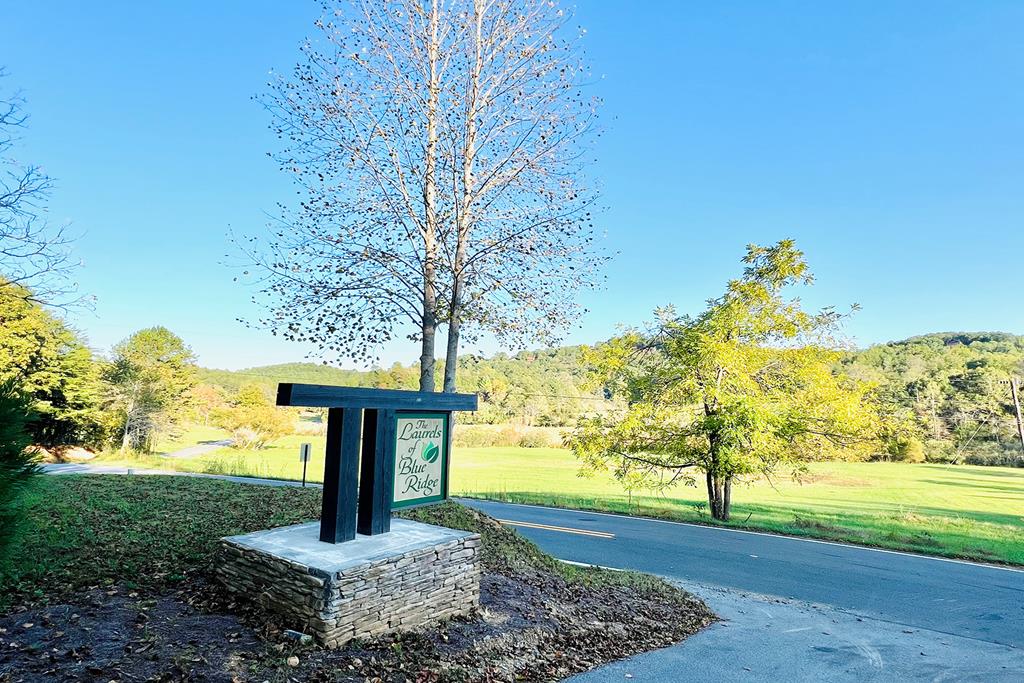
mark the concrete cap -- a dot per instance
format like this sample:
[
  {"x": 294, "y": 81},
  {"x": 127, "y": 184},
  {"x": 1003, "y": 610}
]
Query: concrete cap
[{"x": 301, "y": 544}]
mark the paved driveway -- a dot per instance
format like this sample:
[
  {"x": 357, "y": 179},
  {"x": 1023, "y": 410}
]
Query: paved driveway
[{"x": 798, "y": 609}]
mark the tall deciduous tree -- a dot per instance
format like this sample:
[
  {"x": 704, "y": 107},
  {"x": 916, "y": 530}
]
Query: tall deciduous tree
[
  {"x": 35, "y": 257},
  {"x": 438, "y": 146},
  {"x": 151, "y": 373},
  {"x": 743, "y": 388},
  {"x": 52, "y": 366}
]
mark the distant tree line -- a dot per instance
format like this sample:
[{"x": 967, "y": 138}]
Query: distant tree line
[
  {"x": 954, "y": 392},
  {"x": 530, "y": 388},
  {"x": 950, "y": 391}
]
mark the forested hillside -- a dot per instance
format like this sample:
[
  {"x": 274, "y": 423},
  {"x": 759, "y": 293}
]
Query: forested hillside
[
  {"x": 531, "y": 387},
  {"x": 953, "y": 388}
]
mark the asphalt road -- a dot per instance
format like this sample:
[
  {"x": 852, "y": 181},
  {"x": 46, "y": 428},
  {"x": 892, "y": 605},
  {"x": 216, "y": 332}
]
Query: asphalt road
[{"x": 958, "y": 598}]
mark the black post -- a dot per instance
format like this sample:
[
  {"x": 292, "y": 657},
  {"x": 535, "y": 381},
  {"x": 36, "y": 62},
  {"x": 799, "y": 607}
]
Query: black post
[
  {"x": 338, "y": 513},
  {"x": 378, "y": 464}
]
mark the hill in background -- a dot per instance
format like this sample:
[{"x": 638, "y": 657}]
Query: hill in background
[
  {"x": 541, "y": 388},
  {"x": 953, "y": 386}
]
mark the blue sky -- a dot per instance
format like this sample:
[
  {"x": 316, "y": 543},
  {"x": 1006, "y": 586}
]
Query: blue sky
[{"x": 886, "y": 138}]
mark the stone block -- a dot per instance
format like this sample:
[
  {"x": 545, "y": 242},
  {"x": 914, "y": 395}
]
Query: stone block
[{"x": 415, "y": 575}]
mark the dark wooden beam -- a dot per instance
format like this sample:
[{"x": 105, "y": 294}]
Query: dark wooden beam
[
  {"x": 327, "y": 396},
  {"x": 377, "y": 472},
  {"x": 338, "y": 510}
]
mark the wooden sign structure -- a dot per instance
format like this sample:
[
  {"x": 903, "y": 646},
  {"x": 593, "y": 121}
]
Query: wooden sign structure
[{"x": 385, "y": 449}]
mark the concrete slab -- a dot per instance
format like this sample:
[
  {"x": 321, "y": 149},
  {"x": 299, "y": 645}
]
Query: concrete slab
[{"x": 301, "y": 544}]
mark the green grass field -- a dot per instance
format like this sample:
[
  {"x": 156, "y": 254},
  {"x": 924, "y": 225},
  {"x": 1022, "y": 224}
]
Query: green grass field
[
  {"x": 957, "y": 511},
  {"x": 168, "y": 443}
]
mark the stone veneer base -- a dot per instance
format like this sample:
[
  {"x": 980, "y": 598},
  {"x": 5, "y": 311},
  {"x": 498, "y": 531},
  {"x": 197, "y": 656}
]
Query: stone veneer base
[{"x": 415, "y": 575}]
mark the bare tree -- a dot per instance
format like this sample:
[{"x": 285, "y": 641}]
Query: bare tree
[
  {"x": 35, "y": 257},
  {"x": 359, "y": 255},
  {"x": 436, "y": 145},
  {"x": 521, "y": 243}
]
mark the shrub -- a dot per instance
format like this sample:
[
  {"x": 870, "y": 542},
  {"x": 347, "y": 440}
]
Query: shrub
[
  {"x": 252, "y": 420},
  {"x": 254, "y": 427},
  {"x": 940, "y": 451},
  {"x": 17, "y": 464},
  {"x": 535, "y": 439},
  {"x": 488, "y": 436},
  {"x": 901, "y": 449},
  {"x": 468, "y": 436},
  {"x": 1003, "y": 459}
]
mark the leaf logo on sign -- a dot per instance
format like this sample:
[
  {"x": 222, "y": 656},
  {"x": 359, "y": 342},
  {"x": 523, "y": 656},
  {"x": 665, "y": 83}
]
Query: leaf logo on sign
[{"x": 430, "y": 452}]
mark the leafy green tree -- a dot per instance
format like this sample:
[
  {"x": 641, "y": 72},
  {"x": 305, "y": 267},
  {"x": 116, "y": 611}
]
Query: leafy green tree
[
  {"x": 52, "y": 366},
  {"x": 150, "y": 376},
  {"x": 17, "y": 465},
  {"x": 743, "y": 388}
]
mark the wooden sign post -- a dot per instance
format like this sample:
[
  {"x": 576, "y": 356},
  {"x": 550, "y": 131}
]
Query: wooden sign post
[
  {"x": 385, "y": 449},
  {"x": 304, "y": 451}
]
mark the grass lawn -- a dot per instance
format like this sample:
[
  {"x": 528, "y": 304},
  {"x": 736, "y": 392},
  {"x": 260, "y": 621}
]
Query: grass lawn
[
  {"x": 190, "y": 435},
  {"x": 957, "y": 511}
]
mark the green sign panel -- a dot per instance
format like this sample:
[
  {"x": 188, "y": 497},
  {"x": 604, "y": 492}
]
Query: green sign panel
[{"x": 421, "y": 459}]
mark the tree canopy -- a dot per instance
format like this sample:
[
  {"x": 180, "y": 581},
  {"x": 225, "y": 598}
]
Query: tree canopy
[
  {"x": 743, "y": 388},
  {"x": 439, "y": 150},
  {"x": 52, "y": 366},
  {"x": 150, "y": 373}
]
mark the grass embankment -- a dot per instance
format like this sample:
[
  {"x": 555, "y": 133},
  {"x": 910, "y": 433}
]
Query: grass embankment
[
  {"x": 154, "y": 532},
  {"x": 955, "y": 511}
]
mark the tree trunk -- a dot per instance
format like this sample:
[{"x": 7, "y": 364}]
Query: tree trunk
[
  {"x": 719, "y": 496},
  {"x": 451, "y": 358},
  {"x": 464, "y": 220},
  {"x": 125, "y": 439},
  {"x": 712, "y": 499},
  {"x": 427, "y": 346},
  {"x": 429, "y": 326},
  {"x": 126, "y": 435}
]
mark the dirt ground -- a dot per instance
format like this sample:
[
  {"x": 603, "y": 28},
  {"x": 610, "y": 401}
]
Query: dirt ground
[{"x": 532, "y": 626}]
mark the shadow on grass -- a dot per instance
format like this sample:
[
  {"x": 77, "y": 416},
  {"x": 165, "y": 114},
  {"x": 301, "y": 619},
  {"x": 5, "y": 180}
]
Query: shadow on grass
[{"x": 980, "y": 470}]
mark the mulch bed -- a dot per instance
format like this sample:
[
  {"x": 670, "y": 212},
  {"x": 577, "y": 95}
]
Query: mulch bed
[{"x": 531, "y": 627}]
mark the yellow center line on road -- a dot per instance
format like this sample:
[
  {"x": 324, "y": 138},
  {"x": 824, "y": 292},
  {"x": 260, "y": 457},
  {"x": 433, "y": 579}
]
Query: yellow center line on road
[{"x": 564, "y": 529}]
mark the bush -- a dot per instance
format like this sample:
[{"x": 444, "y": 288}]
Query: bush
[
  {"x": 17, "y": 465},
  {"x": 908, "y": 449},
  {"x": 995, "y": 459},
  {"x": 901, "y": 449},
  {"x": 994, "y": 455},
  {"x": 489, "y": 436},
  {"x": 253, "y": 427},
  {"x": 535, "y": 439},
  {"x": 939, "y": 451},
  {"x": 467, "y": 436},
  {"x": 253, "y": 420}
]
